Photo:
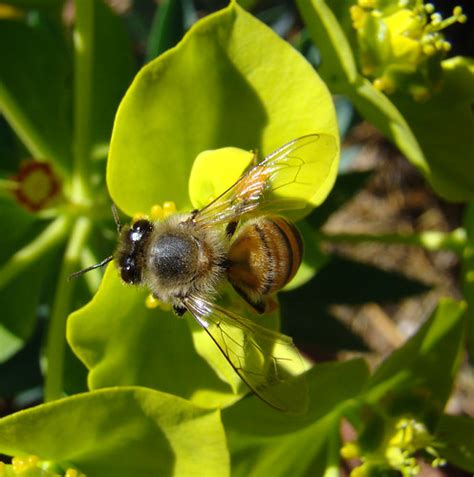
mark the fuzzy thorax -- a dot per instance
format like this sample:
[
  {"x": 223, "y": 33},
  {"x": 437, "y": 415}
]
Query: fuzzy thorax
[{"x": 183, "y": 258}]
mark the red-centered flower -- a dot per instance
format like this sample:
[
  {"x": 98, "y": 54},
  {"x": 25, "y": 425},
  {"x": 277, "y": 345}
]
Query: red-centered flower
[{"x": 37, "y": 185}]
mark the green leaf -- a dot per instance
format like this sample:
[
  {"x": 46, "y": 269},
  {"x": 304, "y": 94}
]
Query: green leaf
[
  {"x": 11, "y": 152},
  {"x": 124, "y": 343},
  {"x": 113, "y": 69},
  {"x": 374, "y": 106},
  {"x": 338, "y": 65},
  {"x": 456, "y": 435},
  {"x": 265, "y": 442},
  {"x": 417, "y": 378},
  {"x": 17, "y": 227},
  {"x": 74, "y": 374},
  {"x": 120, "y": 432},
  {"x": 434, "y": 136},
  {"x": 167, "y": 28},
  {"x": 215, "y": 89},
  {"x": 343, "y": 78},
  {"x": 22, "y": 371},
  {"x": 34, "y": 94},
  {"x": 18, "y": 298},
  {"x": 443, "y": 127},
  {"x": 28, "y": 249},
  {"x": 19, "y": 301}
]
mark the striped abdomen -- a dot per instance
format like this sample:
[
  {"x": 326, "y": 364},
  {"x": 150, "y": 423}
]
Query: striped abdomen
[{"x": 263, "y": 258}]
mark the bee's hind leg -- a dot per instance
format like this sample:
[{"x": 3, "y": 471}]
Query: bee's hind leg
[
  {"x": 263, "y": 304},
  {"x": 231, "y": 228}
]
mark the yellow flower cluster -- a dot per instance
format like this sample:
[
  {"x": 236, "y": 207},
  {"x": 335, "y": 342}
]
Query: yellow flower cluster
[
  {"x": 408, "y": 437},
  {"x": 401, "y": 44},
  {"x": 23, "y": 465}
]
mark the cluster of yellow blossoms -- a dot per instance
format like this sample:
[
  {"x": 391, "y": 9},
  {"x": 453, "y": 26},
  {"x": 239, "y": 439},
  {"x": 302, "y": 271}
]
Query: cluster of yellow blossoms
[{"x": 401, "y": 44}]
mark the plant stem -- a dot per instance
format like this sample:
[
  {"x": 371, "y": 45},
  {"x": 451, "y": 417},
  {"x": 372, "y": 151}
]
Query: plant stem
[
  {"x": 333, "y": 456},
  {"x": 7, "y": 184},
  {"x": 56, "y": 343},
  {"x": 94, "y": 277},
  {"x": 7, "y": 188},
  {"x": 27, "y": 132},
  {"x": 51, "y": 236},
  {"x": 430, "y": 240},
  {"x": 81, "y": 194},
  {"x": 83, "y": 62}
]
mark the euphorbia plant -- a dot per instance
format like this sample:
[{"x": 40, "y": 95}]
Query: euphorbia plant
[
  {"x": 159, "y": 397},
  {"x": 168, "y": 116},
  {"x": 150, "y": 160}
]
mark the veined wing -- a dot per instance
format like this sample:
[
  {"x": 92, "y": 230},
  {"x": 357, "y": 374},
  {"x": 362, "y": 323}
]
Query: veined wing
[
  {"x": 268, "y": 362},
  {"x": 284, "y": 180}
]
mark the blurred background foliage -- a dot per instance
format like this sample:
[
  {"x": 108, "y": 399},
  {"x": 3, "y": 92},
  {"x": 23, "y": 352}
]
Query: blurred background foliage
[{"x": 391, "y": 242}]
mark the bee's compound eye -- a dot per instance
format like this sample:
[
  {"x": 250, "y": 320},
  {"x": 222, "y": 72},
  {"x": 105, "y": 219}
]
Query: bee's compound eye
[{"x": 130, "y": 272}]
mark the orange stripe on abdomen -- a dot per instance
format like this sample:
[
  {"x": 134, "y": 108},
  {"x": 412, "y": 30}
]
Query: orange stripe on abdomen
[{"x": 264, "y": 256}]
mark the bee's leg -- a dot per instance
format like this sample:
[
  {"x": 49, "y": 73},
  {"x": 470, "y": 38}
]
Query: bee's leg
[
  {"x": 192, "y": 216},
  {"x": 231, "y": 228},
  {"x": 259, "y": 305},
  {"x": 179, "y": 310}
]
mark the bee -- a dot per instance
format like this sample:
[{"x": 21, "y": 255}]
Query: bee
[{"x": 238, "y": 238}]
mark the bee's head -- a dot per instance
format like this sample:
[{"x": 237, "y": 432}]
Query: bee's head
[{"x": 130, "y": 255}]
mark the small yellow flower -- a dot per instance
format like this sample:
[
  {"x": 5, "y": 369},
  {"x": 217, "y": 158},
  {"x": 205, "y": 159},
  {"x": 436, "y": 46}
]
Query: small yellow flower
[
  {"x": 152, "y": 302},
  {"x": 22, "y": 464},
  {"x": 350, "y": 450},
  {"x": 169, "y": 208},
  {"x": 396, "y": 452},
  {"x": 73, "y": 473},
  {"x": 401, "y": 44},
  {"x": 157, "y": 212}
]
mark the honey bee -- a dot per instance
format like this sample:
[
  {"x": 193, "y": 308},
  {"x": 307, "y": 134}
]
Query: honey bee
[{"x": 185, "y": 259}]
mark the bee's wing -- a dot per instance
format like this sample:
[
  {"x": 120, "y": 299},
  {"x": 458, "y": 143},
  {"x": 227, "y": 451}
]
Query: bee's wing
[
  {"x": 267, "y": 361},
  {"x": 275, "y": 183}
]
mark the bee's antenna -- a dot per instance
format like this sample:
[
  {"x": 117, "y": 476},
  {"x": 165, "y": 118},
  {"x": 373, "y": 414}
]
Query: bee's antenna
[
  {"x": 92, "y": 267},
  {"x": 116, "y": 218}
]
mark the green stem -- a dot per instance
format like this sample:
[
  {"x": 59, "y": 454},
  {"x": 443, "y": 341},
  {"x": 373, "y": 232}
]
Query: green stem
[
  {"x": 83, "y": 62},
  {"x": 430, "y": 240},
  {"x": 333, "y": 455},
  {"x": 94, "y": 277},
  {"x": 7, "y": 184},
  {"x": 27, "y": 131},
  {"x": 56, "y": 343},
  {"x": 51, "y": 236},
  {"x": 81, "y": 194}
]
